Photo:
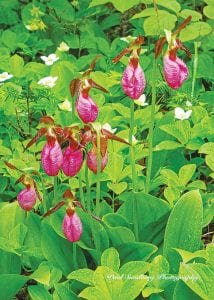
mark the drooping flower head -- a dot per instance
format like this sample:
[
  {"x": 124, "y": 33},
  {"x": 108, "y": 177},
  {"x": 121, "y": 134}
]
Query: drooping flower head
[
  {"x": 28, "y": 196},
  {"x": 51, "y": 156},
  {"x": 91, "y": 135},
  {"x": 86, "y": 108},
  {"x": 133, "y": 80},
  {"x": 175, "y": 70},
  {"x": 71, "y": 225},
  {"x": 72, "y": 156}
]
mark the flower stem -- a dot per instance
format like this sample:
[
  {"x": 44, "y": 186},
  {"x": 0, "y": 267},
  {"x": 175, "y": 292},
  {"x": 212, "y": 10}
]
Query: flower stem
[
  {"x": 195, "y": 66},
  {"x": 134, "y": 175},
  {"x": 55, "y": 182},
  {"x": 98, "y": 175},
  {"x": 88, "y": 196},
  {"x": 151, "y": 130},
  {"x": 81, "y": 189},
  {"x": 132, "y": 156},
  {"x": 75, "y": 256}
]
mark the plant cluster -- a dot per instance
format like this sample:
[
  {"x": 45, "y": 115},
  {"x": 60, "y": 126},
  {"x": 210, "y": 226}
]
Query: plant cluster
[{"x": 106, "y": 177}]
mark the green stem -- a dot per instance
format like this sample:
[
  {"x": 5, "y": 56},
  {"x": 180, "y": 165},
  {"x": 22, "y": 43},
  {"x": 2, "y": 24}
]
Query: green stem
[
  {"x": 88, "y": 200},
  {"x": 73, "y": 109},
  {"x": 98, "y": 175},
  {"x": 151, "y": 130},
  {"x": 75, "y": 256},
  {"x": 134, "y": 174},
  {"x": 81, "y": 189},
  {"x": 55, "y": 189},
  {"x": 195, "y": 66},
  {"x": 132, "y": 156},
  {"x": 89, "y": 209}
]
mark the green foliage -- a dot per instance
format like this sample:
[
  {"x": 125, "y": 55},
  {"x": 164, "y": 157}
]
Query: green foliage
[{"x": 137, "y": 242}]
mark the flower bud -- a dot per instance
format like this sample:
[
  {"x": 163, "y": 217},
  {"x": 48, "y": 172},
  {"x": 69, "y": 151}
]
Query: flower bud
[
  {"x": 51, "y": 157},
  {"x": 175, "y": 71},
  {"x": 72, "y": 161},
  {"x": 92, "y": 161},
  {"x": 72, "y": 227},
  {"x": 86, "y": 108},
  {"x": 133, "y": 80},
  {"x": 27, "y": 198}
]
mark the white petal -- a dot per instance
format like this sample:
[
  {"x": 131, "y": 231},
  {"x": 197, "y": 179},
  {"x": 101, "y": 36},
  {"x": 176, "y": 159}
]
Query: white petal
[
  {"x": 188, "y": 103},
  {"x": 179, "y": 113},
  {"x": 188, "y": 114}
]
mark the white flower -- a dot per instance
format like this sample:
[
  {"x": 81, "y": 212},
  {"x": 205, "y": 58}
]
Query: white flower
[
  {"x": 181, "y": 114},
  {"x": 107, "y": 126},
  {"x": 63, "y": 47},
  {"x": 50, "y": 59},
  {"x": 141, "y": 101},
  {"x": 5, "y": 76},
  {"x": 66, "y": 105},
  {"x": 48, "y": 81},
  {"x": 188, "y": 103}
]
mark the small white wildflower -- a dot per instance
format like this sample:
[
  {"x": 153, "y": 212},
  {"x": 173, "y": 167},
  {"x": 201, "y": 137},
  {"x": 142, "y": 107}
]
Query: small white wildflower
[
  {"x": 188, "y": 103},
  {"x": 66, "y": 105},
  {"x": 50, "y": 59},
  {"x": 63, "y": 47},
  {"x": 48, "y": 81},
  {"x": 107, "y": 126},
  {"x": 180, "y": 114},
  {"x": 141, "y": 101},
  {"x": 5, "y": 76}
]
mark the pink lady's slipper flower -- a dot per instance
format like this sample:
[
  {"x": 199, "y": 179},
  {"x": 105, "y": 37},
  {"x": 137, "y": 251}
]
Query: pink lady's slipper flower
[
  {"x": 72, "y": 160},
  {"x": 175, "y": 70},
  {"x": 72, "y": 227},
  {"x": 133, "y": 80},
  {"x": 92, "y": 160},
  {"x": 51, "y": 156},
  {"x": 27, "y": 198},
  {"x": 86, "y": 108}
]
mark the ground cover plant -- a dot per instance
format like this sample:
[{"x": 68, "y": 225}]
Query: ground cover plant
[{"x": 107, "y": 146}]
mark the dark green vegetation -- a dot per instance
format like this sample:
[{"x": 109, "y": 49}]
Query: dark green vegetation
[{"x": 153, "y": 242}]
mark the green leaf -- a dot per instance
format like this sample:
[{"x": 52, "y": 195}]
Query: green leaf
[
  {"x": 183, "y": 292},
  {"x": 38, "y": 292},
  {"x": 167, "y": 145},
  {"x": 120, "y": 235},
  {"x": 196, "y": 16},
  {"x": 209, "y": 11},
  {"x": 16, "y": 65},
  {"x": 184, "y": 227},
  {"x": 207, "y": 148},
  {"x": 170, "y": 178},
  {"x": 107, "y": 281},
  {"x": 154, "y": 25},
  {"x": 82, "y": 275},
  {"x": 195, "y": 30},
  {"x": 42, "y": 274},
  {"x": 135, "y": 251},
  {"x": 114, "y": 166},
  {"x": 151, "y": 214},
  {"x": 180, "y": 130},
  {"x": 9, "y": 39},
  {"x": 172, "y": 5},
  {"x": 10, "y": 284},
  {"x": 117, "y": 188},
  {"x": 199, "y": 278},
  {"x": 187, "y": 256},
  {"x": 110, "y": 258},
  {"x": 210, "y": 161},
  {"x": 159, "y": 266},
  {"x": 133, "y": 278},
  {"x": 63, "y": 291},
  {"x": 185, "y": 173}
]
